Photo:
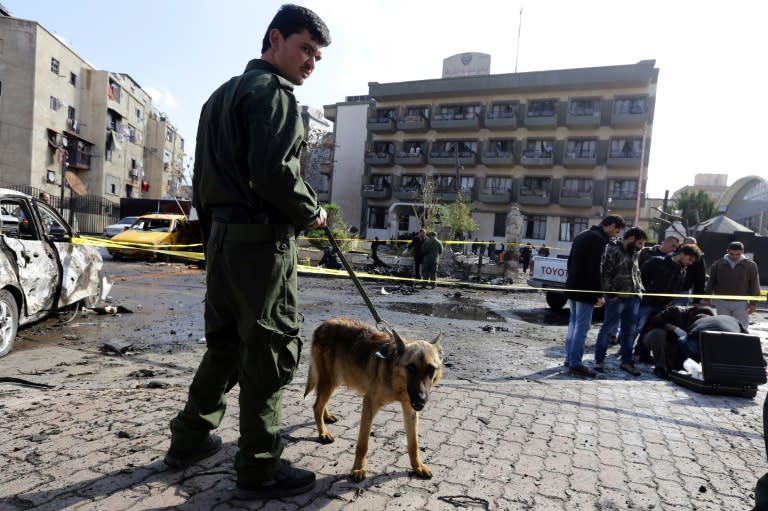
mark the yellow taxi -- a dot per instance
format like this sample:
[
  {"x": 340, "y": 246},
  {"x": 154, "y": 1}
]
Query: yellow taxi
[{"x": 158, "y": 231}]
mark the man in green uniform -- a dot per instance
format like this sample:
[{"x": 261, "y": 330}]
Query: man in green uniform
[
  {"x": 251, "y": 201},
  {"x": 431, "y": 249}
]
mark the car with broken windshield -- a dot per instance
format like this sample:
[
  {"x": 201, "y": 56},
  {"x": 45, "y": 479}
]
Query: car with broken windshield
[{"x": 45, "y": 266}]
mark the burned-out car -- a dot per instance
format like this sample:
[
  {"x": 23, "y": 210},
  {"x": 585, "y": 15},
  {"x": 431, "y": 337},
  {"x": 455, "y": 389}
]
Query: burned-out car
[{"x": 43, "y": 267}]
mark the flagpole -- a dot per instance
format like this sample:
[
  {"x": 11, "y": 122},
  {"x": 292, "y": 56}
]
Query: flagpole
[{"x": 519, "y": 26}]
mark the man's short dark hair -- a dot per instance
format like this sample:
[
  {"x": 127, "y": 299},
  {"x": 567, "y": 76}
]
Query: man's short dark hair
[
  {"x": 292, "y": 19},
  {"x": 613, "y": 220},
  {"x": 635, "y": 232},
  {"x": 690, "y": 250}
]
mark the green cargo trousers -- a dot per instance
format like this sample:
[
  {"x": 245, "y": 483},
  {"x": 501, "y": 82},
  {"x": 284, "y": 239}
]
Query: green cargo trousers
[
  {"x": 761, "y": 489},
  {"x": 252, "y": 336}
]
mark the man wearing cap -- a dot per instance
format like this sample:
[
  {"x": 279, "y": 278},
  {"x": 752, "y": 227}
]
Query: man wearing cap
[{"x": 734, "y": 275}]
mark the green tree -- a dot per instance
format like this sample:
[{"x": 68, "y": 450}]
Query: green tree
[
  {"x": 339, "y": 229},
  {"x": 428, "y": 211},
  {"x": 458, "y": 216},
  {"x": 694, "y": 206}
]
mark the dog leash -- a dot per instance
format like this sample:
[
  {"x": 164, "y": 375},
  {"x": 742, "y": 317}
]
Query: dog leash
[{"x": 380, "y": 323}]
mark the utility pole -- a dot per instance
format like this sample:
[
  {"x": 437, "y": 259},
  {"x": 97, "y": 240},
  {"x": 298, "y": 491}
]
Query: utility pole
[
  {"x": 640, "y": 177},
  {"x": 63, "y": 156},
  {"x": 519, "y": 26}
]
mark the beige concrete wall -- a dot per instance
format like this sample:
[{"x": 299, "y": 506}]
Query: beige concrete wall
[{"x": 17, "y": 51}]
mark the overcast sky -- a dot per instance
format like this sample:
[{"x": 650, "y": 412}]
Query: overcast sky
[{"x": 711, "y": 109}]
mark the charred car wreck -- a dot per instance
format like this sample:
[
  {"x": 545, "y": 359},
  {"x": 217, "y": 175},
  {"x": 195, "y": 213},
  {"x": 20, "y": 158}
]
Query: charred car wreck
[{"x": 43, "y": 269}]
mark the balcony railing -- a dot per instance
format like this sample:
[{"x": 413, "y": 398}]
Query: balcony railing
[
  {"x": 376, "y": 191},
  {"x": 624, "y": 159},
  {"x": 537, "y": 159},
  {"x": 580, "y": 159},
  {"x": 373, "y": 158},
  {"x": 503, "y": 120},
  {"x": 79, "y": 159},
  {"x": 450, "y": 194},
  {"x": 463, "y": 121},
  {"x": 533, "y": 196},
  {"x": 449, "y": 158},
  {"x": 413, "y": 123},
  {"x": 583, "y": 120},
  {"x": 410, "y": 190},
  {"x": 575, "y": 198},
  {"x": 495, "y": 195},
  {"x": 403, "y": 158},
  {"x": 381, "y": 124},
  {"x": 541, "y": 121},
  {"x": 498, "y": 158},
  {"x": 623, "y": 119}
]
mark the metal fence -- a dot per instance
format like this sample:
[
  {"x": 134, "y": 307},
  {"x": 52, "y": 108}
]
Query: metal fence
[{"x": 88, "y": 214}]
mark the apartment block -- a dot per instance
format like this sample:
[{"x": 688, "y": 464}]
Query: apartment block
[
  {"x": 58, "y": 113},
  {"x": 163, "y": 158},
  {"x": 566, "y": 146}
]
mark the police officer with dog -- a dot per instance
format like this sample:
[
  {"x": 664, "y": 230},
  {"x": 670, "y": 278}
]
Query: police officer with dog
[{"x": 252, "y": 201}]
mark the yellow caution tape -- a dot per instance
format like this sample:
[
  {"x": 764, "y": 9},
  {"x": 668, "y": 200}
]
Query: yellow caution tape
[{"x": 316, "y": 270}]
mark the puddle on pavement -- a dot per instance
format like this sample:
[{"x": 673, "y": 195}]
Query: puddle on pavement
[
  {"x": 467, "y": 311},
  {"x": 541, "y": 316}
]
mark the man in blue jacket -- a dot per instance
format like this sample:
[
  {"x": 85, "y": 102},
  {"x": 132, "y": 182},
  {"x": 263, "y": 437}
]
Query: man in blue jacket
[{"x": 583, "y": 287}]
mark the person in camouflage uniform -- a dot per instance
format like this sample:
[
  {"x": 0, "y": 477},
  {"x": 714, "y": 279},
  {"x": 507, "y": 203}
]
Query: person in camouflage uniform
[
  {"x": 251, "y": 201},
  {"x": 620, "y": 274}
]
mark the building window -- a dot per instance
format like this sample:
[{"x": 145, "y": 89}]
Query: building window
[
  {"x": 113, "y": 91},
  {"x": 412, "y": 149},
  {"x": 541, "y": 108},
  {"x": 445, "y": 148},
  {"x": 383, "y": 148},
  {"x": 412, "y": 183},
  {"x": 535, "y": 227},
  {"x": 538, "y": 148},
  {"x": 377, "y": 218},
  {"x": 581, "y": 148},
  {"x": 625, "y": 148},
  {"x": 630, "y": 105},
  {"x": 416, "y": 113},
  {"x": 502, "y": 111},
  {"x": 499, "y": 225},
  {"x": 54, "y": 66},
  {"x": 584, "y": 107},
  {"x": 73, "y": 79},
  {"x": 575, "y": 187},
  {"x": 169, "y": 134},
  {"x": 622, "y": 189},
  {"x": 570, "y": 227},
  {"x": 383, "y": 115},
  {"x": 71, "y": 113},
  {"x": 447, "y": 112},
  {"x": 54, "y": 104},
  {"x": 113, "y": 188},
  {"x": 402, "y": 222},
  {"x": 379, "y": 183},
  {"x": 535, "y": 186},
  {"x": 501, "y": 148},
  {"x": 497, "y": 185},
  {"x": 131, "y": 134}
]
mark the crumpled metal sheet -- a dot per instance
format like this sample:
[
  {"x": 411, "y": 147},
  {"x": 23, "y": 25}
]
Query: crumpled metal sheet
[
  {"x": 82, "y": 272},
  {"x": 37, "y": 270}
]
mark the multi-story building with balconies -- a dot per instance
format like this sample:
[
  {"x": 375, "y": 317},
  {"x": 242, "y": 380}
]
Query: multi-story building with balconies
[
  {"x": 163, "y": 158},
  {"x": 58, "y": 113},
  {"x": 567, "y": 146}
]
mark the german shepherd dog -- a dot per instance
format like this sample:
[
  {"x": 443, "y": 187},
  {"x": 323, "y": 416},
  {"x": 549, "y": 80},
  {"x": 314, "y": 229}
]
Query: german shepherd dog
[{"x": 382, "y": 369}]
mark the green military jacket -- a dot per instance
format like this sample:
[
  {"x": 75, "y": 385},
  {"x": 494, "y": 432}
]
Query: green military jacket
[
  {"x": 249, "y": 140},
  {"x": 431, "y": 250}
]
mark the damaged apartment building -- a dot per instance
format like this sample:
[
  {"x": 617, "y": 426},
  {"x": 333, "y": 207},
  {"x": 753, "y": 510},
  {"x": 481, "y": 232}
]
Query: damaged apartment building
[{"x": 59, "y": 115}]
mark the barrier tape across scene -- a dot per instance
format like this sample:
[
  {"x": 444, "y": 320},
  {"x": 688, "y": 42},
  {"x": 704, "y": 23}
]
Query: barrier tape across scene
[{"x": 184, "y": 252}]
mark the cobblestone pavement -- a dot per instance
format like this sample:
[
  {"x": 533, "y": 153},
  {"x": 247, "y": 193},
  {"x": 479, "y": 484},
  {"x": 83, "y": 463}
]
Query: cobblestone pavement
[{"x": 549, "y": 444}]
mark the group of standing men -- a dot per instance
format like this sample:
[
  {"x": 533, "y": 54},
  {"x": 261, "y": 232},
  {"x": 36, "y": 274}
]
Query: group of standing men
[
  {"x": 426, "y": 252},
  {"x": 615, "y": 274}
]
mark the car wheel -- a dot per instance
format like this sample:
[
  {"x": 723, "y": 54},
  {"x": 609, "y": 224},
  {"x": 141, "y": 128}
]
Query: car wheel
[
  {"x": 9, "y": 321},
  {"x": 556, "y": 300}
]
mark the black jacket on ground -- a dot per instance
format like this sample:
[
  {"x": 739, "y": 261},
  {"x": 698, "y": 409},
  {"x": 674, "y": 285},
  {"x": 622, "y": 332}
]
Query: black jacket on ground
[{"x": 584, "y": 264}]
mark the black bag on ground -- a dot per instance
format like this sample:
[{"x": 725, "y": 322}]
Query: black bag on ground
[{"x": 732, "y": 365}]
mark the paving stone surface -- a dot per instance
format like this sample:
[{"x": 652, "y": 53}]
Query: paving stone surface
[{"x": 556, "y": 444}]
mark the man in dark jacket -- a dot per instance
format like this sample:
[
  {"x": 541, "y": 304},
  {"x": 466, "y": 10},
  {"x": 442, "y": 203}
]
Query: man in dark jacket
[
  {"x": 662, "y": 275},
  {"x": 417, "y": 252},
  {"x": 665, "y": 336},
  {"x": 583, "y": 287},
  {"x": 695, "y": 276},
  {"x": 667, "y": 247},
  {"x": 251, "y": 199}
]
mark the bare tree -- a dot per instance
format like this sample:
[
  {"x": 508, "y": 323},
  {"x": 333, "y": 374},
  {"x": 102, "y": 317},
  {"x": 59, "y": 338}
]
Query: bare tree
[{"x": 427, "y": 210}]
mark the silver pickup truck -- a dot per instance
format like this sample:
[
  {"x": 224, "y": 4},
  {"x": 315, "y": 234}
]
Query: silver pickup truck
[{"x": 550, "y": 273}]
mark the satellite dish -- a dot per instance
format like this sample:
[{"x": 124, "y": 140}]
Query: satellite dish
[
  {"x": 75, "y": 183},
  {"x": 64, "y": 141}
]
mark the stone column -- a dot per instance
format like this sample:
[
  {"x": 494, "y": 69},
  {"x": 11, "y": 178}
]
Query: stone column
[{"x": 512, "y": 244}]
